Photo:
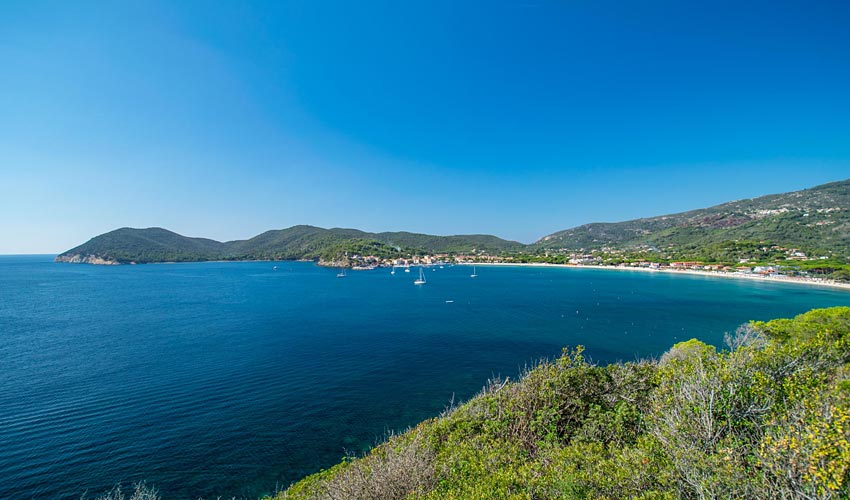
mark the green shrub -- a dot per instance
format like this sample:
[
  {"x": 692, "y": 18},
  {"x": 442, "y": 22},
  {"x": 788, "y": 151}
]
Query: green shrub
[{"x": 770, "y": 418}]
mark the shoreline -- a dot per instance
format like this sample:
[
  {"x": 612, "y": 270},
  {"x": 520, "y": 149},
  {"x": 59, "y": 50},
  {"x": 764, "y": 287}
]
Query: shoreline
[
  {"x": 711, "y": 274},
  {"x": 691, "y": 272}
]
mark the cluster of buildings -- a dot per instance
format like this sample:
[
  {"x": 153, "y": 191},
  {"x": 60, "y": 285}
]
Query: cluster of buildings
[
  {"x": 364, "y": 262},
  {"x": 373, "y": 261},
  {"x": 596, "y": 258},
  {"x": 688, "y": 266}
]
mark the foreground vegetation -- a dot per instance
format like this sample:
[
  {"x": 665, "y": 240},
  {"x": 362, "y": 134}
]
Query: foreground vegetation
[{"x": 769, "y": 418}]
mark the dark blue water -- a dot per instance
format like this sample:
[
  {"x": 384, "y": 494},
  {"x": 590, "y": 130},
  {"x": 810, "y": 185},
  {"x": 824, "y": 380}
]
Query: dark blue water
[{"x": 231, "y": 378}]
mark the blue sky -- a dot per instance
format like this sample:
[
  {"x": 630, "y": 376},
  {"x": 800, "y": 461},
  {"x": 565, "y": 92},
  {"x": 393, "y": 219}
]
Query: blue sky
[{"x": 224, "y": 119}]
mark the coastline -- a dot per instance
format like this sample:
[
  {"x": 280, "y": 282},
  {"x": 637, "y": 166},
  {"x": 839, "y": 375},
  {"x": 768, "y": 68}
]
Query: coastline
[{"x": 711, "y": 274}]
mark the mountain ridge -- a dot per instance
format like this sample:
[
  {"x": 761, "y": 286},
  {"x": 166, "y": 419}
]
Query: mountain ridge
[
  {"x": 155, "y": 244},
  {"x": 797, "y": 218},
  {"x": 816, "y": 220}
]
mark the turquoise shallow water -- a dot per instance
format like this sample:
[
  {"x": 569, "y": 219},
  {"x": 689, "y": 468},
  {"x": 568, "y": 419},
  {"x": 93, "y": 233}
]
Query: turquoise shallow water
[{"x": 231, "y": 378}]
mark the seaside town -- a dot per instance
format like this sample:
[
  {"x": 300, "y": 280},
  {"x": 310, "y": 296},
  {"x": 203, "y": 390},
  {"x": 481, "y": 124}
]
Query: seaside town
[{"x": 610, "y": 258}]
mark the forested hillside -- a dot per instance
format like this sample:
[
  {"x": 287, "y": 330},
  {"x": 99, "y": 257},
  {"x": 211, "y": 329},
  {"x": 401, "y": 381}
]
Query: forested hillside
[
  {"x": 140, "y": 246},
  {"x": 816, "y": 219}
]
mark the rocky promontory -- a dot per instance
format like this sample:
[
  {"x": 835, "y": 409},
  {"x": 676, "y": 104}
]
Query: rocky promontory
[{"x": 86, "y": 259}]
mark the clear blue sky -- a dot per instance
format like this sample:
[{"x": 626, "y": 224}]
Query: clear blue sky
[{"x": 224, "y": 119}]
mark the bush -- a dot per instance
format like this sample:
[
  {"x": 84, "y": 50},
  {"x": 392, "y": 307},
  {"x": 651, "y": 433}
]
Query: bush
[
  {"x": 768, "y": 419},
  {"x": 140, "y": 492}
]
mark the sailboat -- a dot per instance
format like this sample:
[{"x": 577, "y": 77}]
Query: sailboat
[
  {"x": 421, "y": 280},
  {"x": 341, "y": 273},
  {"x": 474, "y": 274},
  {"x": 393, "y": 271},
  {"x": 407, "y": 268}
]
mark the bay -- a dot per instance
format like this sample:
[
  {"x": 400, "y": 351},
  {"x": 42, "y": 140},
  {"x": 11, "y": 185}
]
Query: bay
[{"x": 233, "y": 379}]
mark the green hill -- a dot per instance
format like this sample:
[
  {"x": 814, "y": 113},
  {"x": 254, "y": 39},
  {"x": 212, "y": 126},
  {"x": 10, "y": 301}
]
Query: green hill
[
  {"x": 297, "y": 242},
  {"x": 128, "y": 245},
  {"x": 449, "y": 244},
  {"x": 144, "y": 245},
  {"x": 816, "y": 220},
  {"x": 769, "y": 419}
]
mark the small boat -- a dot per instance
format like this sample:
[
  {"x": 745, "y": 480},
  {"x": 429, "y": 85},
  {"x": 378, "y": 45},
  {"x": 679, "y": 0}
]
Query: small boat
[
  {"x": 450, "y": 302},
  {"x": 474, "y": 274},
  {"x": 421, "y": 279},
  {"x": 407, "y": 269},
  {"x": 274, "y": 268},
  {"x": 341, "y": 273}
]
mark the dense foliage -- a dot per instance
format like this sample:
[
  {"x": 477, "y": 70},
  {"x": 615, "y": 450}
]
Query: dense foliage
[
  {"x": 340, "y": 251},
  {"x": 770, "y": 418},
  {"x": 148, "y": 245},
  {"x": 469, "y": 243}
]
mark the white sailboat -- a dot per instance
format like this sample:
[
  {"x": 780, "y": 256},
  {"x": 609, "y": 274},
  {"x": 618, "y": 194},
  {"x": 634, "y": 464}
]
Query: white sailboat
[
  {"x": 341, "y": 273},
  {"x": 474, "y": 274},
  {"x": 421, "y": 280},
  {"x": 393, "y": 271}
]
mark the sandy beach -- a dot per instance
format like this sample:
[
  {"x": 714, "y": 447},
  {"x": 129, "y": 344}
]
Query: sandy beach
[{"x": 711, "y": 274}]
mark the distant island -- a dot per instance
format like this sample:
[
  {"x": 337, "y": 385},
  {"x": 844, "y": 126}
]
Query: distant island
[{"x": 801, "y": 233}]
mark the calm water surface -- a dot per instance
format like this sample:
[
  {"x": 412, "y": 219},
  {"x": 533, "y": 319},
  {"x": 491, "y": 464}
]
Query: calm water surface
[{"x": 231, "y": 378}]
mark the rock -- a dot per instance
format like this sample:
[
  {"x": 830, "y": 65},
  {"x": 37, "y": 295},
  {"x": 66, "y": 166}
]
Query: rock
[{"x": 86, "y": 259}]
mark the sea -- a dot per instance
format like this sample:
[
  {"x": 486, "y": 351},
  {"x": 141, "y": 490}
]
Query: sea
[{"x": 215, "y": 379}]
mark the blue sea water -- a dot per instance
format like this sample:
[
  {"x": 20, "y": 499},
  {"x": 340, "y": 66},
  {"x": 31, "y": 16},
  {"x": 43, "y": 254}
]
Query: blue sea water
[{"x": 232, "y": 379}]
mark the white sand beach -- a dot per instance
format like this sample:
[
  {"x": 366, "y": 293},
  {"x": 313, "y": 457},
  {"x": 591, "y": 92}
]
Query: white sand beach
[{"x": 712, "y": 274}]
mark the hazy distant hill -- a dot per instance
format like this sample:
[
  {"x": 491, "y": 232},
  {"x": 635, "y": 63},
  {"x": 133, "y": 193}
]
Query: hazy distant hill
[
  {"x": 816, "y": 219},
  {"x": 127, "y": 245}
]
